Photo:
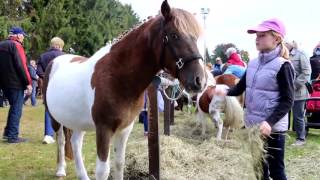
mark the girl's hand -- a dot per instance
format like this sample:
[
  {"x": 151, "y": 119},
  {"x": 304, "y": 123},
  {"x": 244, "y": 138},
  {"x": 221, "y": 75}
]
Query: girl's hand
[
  {"x": 265, "y": 129},
  {"x": 221, "y": 91}
]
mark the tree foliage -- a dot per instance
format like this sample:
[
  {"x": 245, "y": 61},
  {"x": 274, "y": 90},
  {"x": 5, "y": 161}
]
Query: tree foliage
[{"x": 84, "y": 25}]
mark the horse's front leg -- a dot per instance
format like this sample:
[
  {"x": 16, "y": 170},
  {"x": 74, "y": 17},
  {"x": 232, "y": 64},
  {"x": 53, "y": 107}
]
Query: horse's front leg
[
  {"x": 120, "y": 142},
  {"x": 103, "y": 139},
  {"x": 215, "y": 116},
  {"x": 201, "y": 120},
  {"x": 76, "y": 142}
]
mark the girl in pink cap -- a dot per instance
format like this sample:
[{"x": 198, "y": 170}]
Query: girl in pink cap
[{"x": 268, "y": 83}]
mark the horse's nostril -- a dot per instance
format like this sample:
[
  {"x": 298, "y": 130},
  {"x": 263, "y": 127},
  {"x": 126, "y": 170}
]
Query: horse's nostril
[{"x": 198, "y": 81}]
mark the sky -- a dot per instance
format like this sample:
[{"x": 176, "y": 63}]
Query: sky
[{"x": 229, "y": 20}]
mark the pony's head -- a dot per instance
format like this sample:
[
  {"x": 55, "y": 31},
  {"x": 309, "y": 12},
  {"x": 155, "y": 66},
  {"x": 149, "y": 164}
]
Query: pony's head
[{"x": 180, "y": 55}]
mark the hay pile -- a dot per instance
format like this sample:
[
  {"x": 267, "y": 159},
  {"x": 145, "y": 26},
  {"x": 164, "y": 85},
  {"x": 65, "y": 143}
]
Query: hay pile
[{"x": 188, "y": 155}]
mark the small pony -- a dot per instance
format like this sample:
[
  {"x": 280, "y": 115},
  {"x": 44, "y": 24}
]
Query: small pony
[{"x": 212, "y": 105}]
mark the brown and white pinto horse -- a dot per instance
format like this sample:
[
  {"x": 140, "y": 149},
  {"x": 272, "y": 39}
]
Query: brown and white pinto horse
[
  {"x": 105, "y": 92},
  {"x": 210, "y": 104}
]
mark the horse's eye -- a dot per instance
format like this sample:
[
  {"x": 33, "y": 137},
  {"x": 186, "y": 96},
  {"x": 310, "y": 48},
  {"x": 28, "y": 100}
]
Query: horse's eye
[{"x": 174, "y": 36}]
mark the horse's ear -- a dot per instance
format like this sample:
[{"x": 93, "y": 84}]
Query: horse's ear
[{"x": 166, "y": 10}]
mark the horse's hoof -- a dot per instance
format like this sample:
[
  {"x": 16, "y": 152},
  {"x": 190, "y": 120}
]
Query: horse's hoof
[
  {"x": 61, "y": 174},
  {"x": 60, "y": 178}
]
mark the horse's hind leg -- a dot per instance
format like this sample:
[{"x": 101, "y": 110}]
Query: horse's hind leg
[
  {"x": 61, "y": 170},
  {"x": 76, "y": 142},
  {"x": 103, "y": 137},
  {"x": 227, "y": 133},
  {"x": 120, "y": 142}
]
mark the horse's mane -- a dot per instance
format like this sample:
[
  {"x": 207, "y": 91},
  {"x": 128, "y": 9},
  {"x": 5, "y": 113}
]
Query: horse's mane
[
  {"x": 124, "y": 34},
  {"x": 184, "y": 21}
]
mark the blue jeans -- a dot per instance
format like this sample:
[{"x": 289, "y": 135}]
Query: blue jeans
[
  {"x": 298, "y": 119},
  {"x": 15, "y": 97},
  {"x": 48, "y": 130},
  {"x": 143, "y": 116},
  {"x": 1, "y": 98},
  {"x": 32, "y": 96}
]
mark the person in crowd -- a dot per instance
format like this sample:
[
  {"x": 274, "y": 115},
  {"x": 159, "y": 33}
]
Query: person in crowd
[
  {"x": 55, "y": 50},
  {"x": 269, "y": 86},
  {"x": 33, "y": 73},
  {"x": 315, "y": 62},
  {"x": 14, "y": 79},
  {"x": 143, "y": 116},
  {"x": 303, "y": 72},
  {"x": 234, "y": 65},
  {"x": 217, "y": 68}
]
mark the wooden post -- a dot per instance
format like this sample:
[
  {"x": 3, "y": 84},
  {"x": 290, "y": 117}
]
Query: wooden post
[
  {"x": 167, "y": 116},
  {"x": 171, "y": 112},
  {"x": 153, "y": 131}
]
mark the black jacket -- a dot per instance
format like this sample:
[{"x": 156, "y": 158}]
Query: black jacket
[
  {"x": 13, "y": 65},
  {"x": 315, "y": 66},
  {"x": 45, "y": 59}
]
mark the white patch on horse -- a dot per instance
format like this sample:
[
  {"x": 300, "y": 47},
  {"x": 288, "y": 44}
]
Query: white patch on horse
[
  {"x": 120, "y": 142},
  {"x": 66, "y": 77},
  {"x": 103, "y": 168}
]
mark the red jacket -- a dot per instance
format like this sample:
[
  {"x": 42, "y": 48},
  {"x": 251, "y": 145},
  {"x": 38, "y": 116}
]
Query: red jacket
[
  {"x": 13, "y": 65},
  {"x": 234, "y": 59}
]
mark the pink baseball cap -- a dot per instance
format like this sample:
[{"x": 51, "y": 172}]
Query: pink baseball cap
[{"x": 269, "y": 25}]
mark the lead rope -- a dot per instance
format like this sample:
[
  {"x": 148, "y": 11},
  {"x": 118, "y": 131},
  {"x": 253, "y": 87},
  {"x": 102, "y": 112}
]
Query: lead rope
[{"x": 175, "y": 88}]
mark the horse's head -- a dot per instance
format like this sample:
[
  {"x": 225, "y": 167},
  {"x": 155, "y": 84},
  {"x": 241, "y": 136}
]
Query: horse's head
[{"x": 180, "y": 55}]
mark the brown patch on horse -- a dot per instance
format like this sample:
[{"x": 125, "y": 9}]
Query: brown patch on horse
[
  {"x": 55, "y": 124},
  {"x": 78, "y": 59},
  {"x": 206, "y": 98},
  {"x": 227, "y": 79}
]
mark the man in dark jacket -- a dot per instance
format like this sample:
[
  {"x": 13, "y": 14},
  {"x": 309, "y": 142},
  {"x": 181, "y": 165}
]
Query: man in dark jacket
[
  {"x": 315, "y": 62},
  {"x": 56, "y": 46},
  {"x": 14, "y": 79}
]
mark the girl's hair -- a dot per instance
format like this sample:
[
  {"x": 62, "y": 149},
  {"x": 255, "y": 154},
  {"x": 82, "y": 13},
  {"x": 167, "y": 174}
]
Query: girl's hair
[{"x": 284, "y": 50}]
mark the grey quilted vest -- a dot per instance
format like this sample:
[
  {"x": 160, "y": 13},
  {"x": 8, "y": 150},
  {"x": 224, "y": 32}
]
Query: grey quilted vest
[{"x": 262, "y": 90}]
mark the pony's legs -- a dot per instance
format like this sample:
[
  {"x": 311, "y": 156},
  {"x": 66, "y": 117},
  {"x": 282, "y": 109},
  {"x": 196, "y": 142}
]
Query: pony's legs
[
  {"x": 219, "y": 124},
  {"x": 201, "y": 120},
  {"x": 120, "y": 142},
  {"x": 103, "y": 137},
  {"x": 61, "y": 170},
  {"x": 227, "y": 133},
  {"x": 76, "y": 142}
]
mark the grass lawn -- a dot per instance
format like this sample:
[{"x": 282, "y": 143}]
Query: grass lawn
[{"x": 34, "y": 160}]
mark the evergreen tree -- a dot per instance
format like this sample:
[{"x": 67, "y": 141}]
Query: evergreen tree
[{"x": 84, "y": 25}]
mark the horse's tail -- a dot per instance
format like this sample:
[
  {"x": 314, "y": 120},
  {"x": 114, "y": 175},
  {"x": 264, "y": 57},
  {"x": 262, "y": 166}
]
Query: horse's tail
[
  {"x": 68, "y": 147},
  {"x": 233, "y": 113}
]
